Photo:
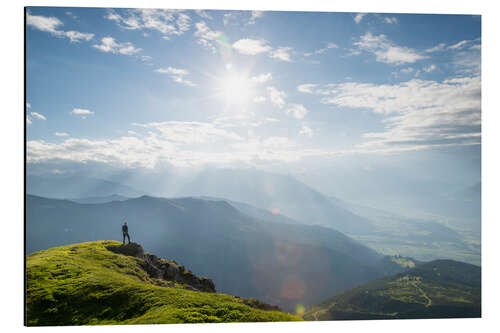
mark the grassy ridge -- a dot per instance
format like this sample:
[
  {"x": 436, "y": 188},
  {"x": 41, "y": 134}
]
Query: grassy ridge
[
  {"x": 439, "y": 289},
  {"x": 86, "y": 284}
]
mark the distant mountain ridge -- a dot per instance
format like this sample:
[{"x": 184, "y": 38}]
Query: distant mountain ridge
[
  {"x": 63, "y": 187},
  {"x": 278, "y": 193}
]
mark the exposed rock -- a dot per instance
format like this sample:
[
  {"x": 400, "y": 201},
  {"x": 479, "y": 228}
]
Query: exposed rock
[{"x": 167, "y": 270}]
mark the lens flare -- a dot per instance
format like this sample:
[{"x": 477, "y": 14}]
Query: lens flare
[{"x": 300, "y": 309}]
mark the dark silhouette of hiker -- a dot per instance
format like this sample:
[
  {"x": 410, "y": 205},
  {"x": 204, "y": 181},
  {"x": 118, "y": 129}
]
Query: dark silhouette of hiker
[{"x": 125, "y": 232}]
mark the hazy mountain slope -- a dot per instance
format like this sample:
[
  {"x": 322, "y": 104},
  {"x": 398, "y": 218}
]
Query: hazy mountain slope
[
  {"x": 96, "y": 283},
  {"x": 438, "y": 289},
  {"x": 243, "y": 256},
  {"x": 61, "y": 187},
  {"x": 425, "y": 239},
  {"x": 97, "y": 200},
  {"x": 278, "y": 193}
]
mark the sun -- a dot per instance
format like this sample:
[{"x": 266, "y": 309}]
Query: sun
[{"x": 235, "y": 88}]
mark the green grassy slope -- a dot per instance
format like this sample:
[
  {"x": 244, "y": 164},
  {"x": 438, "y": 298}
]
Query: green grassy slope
[
  {"x": 438, "y": 289},
  {"x": 86, "y": 284}
]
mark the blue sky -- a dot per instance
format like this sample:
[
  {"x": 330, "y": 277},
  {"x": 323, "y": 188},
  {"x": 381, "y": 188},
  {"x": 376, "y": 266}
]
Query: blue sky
[{"x": 302, "y": 91}]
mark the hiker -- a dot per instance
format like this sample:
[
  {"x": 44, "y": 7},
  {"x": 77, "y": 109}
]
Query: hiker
[{"x": 125, "y": 232}]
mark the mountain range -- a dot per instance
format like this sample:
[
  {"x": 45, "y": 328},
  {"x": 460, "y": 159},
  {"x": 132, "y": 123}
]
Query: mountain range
[{"x": 279, "y": 263}]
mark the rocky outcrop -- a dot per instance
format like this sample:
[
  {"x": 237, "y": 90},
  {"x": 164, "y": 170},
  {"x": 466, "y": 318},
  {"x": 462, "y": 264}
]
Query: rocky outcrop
[{"x": 167, "y": 270}]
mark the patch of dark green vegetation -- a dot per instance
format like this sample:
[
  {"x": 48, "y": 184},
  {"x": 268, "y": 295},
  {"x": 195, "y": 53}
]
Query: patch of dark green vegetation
[{"x": 438, "y": 289}]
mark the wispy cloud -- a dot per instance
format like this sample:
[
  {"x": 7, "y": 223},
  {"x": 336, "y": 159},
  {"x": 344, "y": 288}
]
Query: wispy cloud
[
  {"x": 276, "y": 97},
  {"x": 52, "y": 25},
  {"x": 386, "y": 51},
  {"x": 436, "y": 48},
  {"x": 165, "y": 21},
  {"x": 420, "y": 113},
  {"x": 459, "y": 45},
  {"x": 109, "y": 44},
  {"x": 61, "y": 134},
  {"x": 359, "y": 17},
  {"x": 298, "y": 111},
  {"x": 306, "y": 131},
  {"x": 38, "y": 115},
  {"x": 390, "y": 20},
  {"x": 177, "y": 75},
  {"x": 322, "y": 50},
  {"x": 190, "y": 132},
  {"x": 251, "y": 46},
  {"x": 429, "y": 68},
  {"x": 306, "y": 88},
  {"x": 259, "y": 99},
  {"x": 83, "y": 113},
  {"x": 282, "y": 53},
  {"x": 207, "y": 37},
  {"x": 203, "y": 14},
  {"x": 262, "y": 78},
  {"x": 256, "y": 14}
]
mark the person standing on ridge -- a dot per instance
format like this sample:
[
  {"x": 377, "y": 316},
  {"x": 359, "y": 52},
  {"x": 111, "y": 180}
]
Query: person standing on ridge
[{"x": 125, "y": 232}]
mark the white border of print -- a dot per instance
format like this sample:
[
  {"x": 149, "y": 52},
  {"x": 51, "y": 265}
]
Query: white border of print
[{"x": 12, "y": 138}]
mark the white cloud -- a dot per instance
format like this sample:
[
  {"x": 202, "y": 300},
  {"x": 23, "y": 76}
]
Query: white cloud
[
  {"x": 109, "y": 44},
  {"x": 277, "y": 97},
  {"x": 76, "y": 36},
  {"x": 167, "y": 22},
  {"x": 28, "y": 105},
  {"x": 51, "y": 25},
  {"x": 262, "y": 78},
  {"x": 386, "y": 51},
  {"x": 298, "y": 111},
  {"x": 259, "y": 99},
  {"x": 251, "y": 46},
  {"x": 226, "y": 17},
  {"x": 429, "y": 68},
  {"x": 390, "y": 20},
  {"x": 436, "y": 48},
  {"x": 407, "y": 70},
  {"x": 322, "y": 50},
  {"x": 191, "y": 132},
  {"x": 203, "y": 14},
  {"x": 42, "y": 23},
  {"x": 306, "y": 88},
  {"x": 420, "y": 114},
  {"x": 146, "y": 58},
  {"x": 458, "y": 45},
  {"x": 177, "y": 75},
  {"x": 359, "y": 17},
  {"x": 207, "y": 37},
  {"x": 306, "y": 131},
  {"x": 282, "y": 53},
  {"x": 28, "y": 120},
  {"x": 254, "y": 16},
  {"x": 38, "y": 116},
  {"x": 61, "y": 134},
  {"x": 83, "y": 113},
  {"x": 155, "y": 148}
]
